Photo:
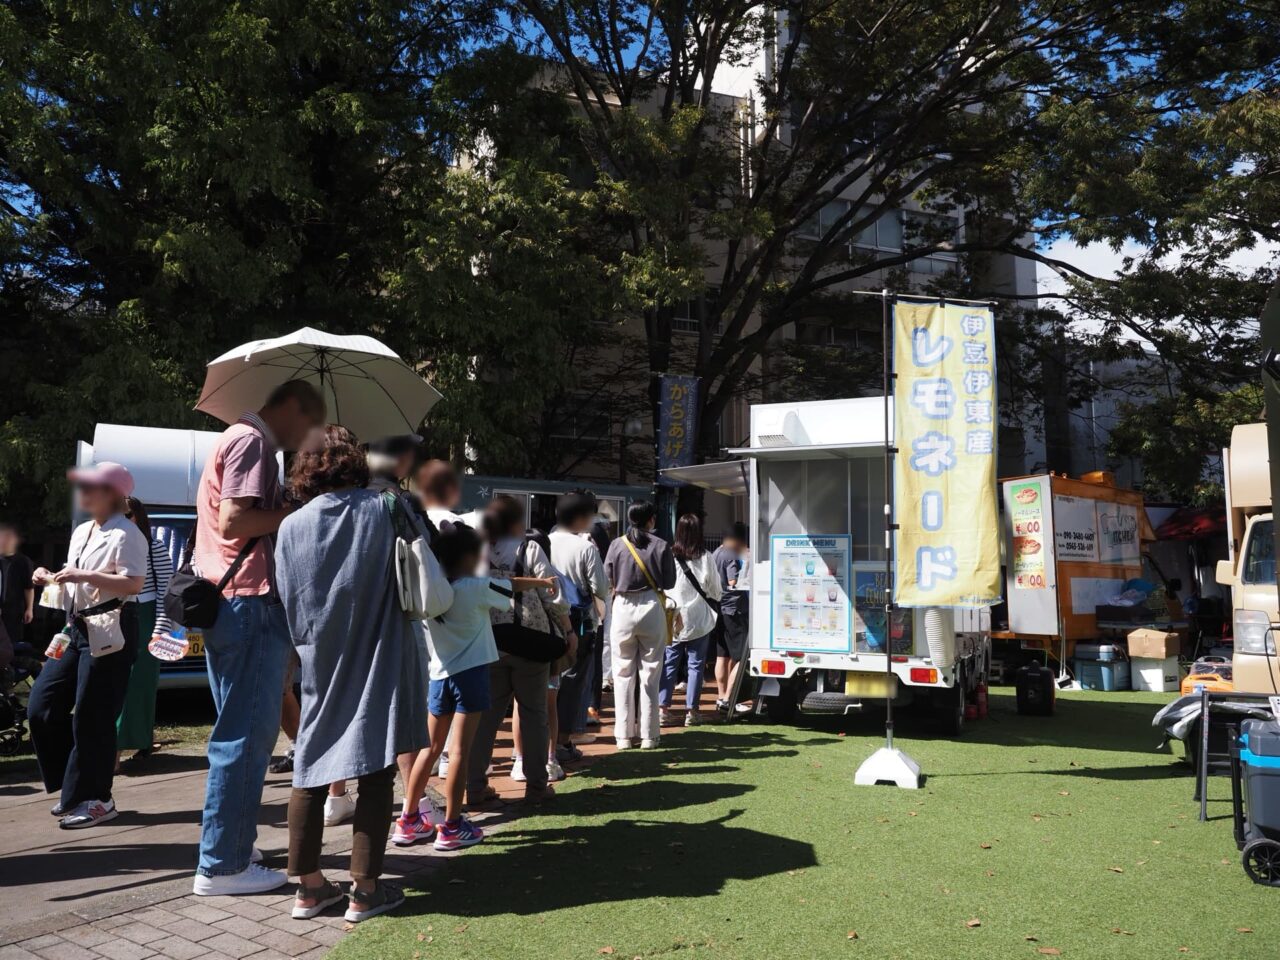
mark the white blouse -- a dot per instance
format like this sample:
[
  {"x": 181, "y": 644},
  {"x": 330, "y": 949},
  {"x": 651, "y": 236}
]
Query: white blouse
[{"x": 698, "y": 618}]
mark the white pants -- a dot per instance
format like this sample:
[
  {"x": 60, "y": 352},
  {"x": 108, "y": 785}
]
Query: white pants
[{"x": 637, "y": 636}]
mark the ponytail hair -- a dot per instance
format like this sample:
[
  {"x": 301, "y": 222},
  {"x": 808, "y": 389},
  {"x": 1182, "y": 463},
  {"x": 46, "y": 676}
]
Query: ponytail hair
[
  {"x": 640, "y": 515},
  {"x": 135, "y": 511}
]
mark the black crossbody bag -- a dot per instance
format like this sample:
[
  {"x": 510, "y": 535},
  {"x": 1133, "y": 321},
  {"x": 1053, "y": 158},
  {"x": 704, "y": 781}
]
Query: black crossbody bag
[
  {"x": 713, "y": 604},
  {"x": 193, "y": 601}
]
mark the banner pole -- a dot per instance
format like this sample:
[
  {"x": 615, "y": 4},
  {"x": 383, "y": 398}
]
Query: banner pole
[{"x": 886, "y": 340}]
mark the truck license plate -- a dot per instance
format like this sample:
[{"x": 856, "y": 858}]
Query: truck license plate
[
  {"x": 195, "y": 645},
  {"x": 875, "y": 685}
]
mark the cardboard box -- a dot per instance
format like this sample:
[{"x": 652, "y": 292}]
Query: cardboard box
[{"x": 1154, "y": 644}]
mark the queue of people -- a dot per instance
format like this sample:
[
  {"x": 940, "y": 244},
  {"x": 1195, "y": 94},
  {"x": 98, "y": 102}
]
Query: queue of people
[{"x": 306, "y": 573}]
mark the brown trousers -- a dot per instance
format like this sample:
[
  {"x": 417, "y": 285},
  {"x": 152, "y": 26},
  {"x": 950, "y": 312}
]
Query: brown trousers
[{"x": 370, "y": 826}]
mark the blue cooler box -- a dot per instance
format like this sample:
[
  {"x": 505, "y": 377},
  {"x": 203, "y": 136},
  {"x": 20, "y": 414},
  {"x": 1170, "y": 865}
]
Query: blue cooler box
[
  {"x": 1100, "y": 651},
  {"x": 1102, "y": 674}
]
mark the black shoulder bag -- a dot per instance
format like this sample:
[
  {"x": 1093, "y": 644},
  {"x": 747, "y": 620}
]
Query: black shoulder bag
[
  {"x": 193, "y": 601},
  {"x": 524, "y": 639}
]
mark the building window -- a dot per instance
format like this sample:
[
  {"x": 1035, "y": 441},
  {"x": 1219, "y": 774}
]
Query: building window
[
  {"x": 581, "y": 420},
  {"x": 684, "y": 316},
  {"x": 816, "y": 227},
  {"x": 925, "y": 229},
  {"x": 883, "y": 233}
]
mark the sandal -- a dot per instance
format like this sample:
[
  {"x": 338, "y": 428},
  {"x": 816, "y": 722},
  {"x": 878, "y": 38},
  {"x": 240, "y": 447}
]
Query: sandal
[
  {"x": 382, "y": 898},
  {"x": 325, "y": 896}
]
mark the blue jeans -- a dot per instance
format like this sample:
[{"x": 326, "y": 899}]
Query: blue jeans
[
  {"x": 246, "y": 650},
  {"x": 693, "y": 655}
]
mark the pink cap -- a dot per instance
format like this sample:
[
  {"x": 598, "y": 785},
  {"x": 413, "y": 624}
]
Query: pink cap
[{"x": 104, "y": 474}]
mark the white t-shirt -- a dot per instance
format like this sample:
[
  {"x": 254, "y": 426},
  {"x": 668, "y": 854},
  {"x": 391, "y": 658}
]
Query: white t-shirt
[
  {"x": 462, "y": 637},
  {"x": 118, "y": 546}
]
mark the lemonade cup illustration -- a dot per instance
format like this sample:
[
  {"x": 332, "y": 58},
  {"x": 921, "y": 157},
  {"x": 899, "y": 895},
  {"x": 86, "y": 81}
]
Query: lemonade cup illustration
[
  {"x": 809, "y": 567},
  {"x": 810, "y": 593},
  {"x": 833, "y": 618},
  {"x": 832, "y": 593},
  {"x": 786, "y": 619}
]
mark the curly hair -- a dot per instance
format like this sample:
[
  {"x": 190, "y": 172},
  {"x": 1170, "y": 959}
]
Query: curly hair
[{"x": 337, "y": 461}]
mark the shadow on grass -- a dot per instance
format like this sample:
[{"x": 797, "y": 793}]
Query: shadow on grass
[{"x": 623, "y": 859}]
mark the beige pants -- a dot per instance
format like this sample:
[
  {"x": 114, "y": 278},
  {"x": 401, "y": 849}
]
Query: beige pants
[{"x": 637, "y": 637}]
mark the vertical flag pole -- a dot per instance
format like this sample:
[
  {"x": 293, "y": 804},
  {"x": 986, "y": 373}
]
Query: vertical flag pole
[{"x": 888, "y": 765}]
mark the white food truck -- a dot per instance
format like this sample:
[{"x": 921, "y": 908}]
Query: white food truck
[{"x": 813, "y": 477}]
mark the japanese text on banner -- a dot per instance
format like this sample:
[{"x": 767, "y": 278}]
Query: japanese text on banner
[
  {"x": 677, "y": 422},
  {"x": 948, "y": 548}
]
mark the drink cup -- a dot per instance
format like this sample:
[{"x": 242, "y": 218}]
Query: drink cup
[
  {"x": 58, "y": 645},
  {"x": 810, "y": 593}
]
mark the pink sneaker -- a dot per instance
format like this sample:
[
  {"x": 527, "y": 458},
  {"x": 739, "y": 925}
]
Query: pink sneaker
[
  {"x": 418, "y": 829},
  {"x": 463, "y": 834}
]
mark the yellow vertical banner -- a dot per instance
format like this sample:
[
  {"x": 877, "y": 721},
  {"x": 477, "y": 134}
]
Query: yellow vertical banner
[{"x": 948, "y": 546}]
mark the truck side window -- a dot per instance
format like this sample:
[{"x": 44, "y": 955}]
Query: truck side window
[{"x": 1260, "y": 555}]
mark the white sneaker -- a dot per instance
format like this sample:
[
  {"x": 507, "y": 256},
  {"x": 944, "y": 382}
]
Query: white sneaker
[
  {"x": 692, "y": 719},
  {"x": 624, "y": 744},
  {"x": 339, "y": 809},
  {"x": 442, "y": 770},
  {"x": 255, "y": 855},
  {"x": 517, "y": 770},
  {"x": 255, "y": 878},
  {"x": 664, "y": 717},
  {"x": 555, "y": 772},
  {"x": 89, "y": 814},
  {"x": 648, "y": 744}
]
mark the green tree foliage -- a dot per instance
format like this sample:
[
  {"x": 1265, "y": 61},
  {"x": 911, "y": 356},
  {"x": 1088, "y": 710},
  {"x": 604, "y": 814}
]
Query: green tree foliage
[{"x": 1146, "y": 122}]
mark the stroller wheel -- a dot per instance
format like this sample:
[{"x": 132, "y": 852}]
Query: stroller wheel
[
  {"x": 1262, "y": 861},
  {"x": 10, "y": 743}
]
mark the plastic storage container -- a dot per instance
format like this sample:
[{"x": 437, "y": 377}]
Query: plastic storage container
[
  {"x": 1160, "y": 676},
  {"x": 1260, "y": 759},
  {"x": 1100, "y": 651},
  {"x": 1102, "y": 674}
]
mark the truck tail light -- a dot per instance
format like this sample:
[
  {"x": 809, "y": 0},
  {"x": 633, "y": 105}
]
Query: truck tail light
[
  {"x": 924, "y": 675},
  {"x": 773, "y": 668}
]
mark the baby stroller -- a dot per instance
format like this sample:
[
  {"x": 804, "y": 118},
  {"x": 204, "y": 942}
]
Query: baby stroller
[
  {"x": 15, "y": 690},
  {"x": 1255, "y": 799}
]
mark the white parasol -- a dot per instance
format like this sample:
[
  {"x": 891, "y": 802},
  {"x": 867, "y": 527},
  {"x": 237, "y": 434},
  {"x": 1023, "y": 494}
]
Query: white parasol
[{"x": 366, "y": 386}]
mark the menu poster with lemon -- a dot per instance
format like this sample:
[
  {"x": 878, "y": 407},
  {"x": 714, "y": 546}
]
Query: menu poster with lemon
[
  {"x": 810, "y": 593},
  {"x": 1026, "y": 512}
]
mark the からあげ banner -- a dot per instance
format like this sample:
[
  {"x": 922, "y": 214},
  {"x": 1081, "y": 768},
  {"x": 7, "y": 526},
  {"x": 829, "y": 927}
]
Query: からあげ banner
[
  {"x": 948, "y": 541},
  {"x": 677, "y": 422}
]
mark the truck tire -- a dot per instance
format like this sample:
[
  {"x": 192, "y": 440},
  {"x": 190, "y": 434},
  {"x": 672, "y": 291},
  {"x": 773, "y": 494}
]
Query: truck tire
[
  {"x": 827, "y": 704},
  {"x": 782, "y": 708},
  {"x": 949, "y": 707}
]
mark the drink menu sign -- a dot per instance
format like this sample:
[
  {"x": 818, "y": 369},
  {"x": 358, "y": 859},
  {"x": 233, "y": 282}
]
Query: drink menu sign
[{"x": 810, "y": 597}]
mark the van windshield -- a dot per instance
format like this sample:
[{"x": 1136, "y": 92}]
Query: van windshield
[{"x": 1260, "y": 555}]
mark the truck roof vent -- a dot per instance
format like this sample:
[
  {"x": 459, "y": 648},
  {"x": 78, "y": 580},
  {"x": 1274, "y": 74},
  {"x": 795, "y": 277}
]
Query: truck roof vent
[{"x": 782, "y": 430}]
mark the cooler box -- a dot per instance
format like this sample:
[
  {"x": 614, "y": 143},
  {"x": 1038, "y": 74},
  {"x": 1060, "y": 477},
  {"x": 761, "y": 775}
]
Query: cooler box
[
  {"x": 1159, "y": 676},
  {"x": 1260, "y": 760},
  {"x": 1102, "y": 674},
  {"x": 1100, "y": 651}
]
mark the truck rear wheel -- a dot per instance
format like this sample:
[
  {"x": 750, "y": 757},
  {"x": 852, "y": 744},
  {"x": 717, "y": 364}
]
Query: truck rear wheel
[{"x": 782, "y": 708}]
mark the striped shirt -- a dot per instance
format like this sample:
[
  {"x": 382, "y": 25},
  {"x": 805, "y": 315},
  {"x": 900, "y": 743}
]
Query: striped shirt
[{"x": 156, "y": 583}]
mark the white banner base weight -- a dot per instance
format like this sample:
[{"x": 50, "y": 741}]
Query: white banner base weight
[{"x": 888, "y": 766}]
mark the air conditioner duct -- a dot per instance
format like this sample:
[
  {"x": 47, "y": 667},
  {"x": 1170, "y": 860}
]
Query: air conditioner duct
[{"x": 940, "y": 631}]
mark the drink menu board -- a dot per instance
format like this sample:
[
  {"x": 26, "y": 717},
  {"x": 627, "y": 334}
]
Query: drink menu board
[{"x": 810, "y": 597}]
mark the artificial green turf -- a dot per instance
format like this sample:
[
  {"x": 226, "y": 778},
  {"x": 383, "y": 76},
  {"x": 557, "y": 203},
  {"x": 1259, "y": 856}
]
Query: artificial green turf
[{"x": 752, "y": 842}]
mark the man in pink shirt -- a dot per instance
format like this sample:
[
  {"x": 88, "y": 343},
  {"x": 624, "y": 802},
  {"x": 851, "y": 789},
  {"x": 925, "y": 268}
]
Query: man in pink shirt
[{"x": 239, "y": 506}]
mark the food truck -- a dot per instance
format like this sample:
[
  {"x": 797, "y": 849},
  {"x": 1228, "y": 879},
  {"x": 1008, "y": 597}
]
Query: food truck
[
  {"x": 813, "y": 477},
  {"x": 1071, "y": 546},
  {"x": 1251, "y": 570}
]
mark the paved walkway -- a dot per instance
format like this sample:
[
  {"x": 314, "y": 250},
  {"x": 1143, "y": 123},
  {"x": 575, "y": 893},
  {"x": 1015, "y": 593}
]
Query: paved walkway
[{"x": 122, "y": 891}]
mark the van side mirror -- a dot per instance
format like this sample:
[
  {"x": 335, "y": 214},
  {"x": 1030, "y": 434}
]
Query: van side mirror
[{"x": 1225, "y": 573}]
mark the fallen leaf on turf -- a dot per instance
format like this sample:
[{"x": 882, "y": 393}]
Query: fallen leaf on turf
[
  {"x": 605, "y": 950},
  {"x": 348, "y": 926},
  {"x": 461, "y": 929},
  {"x": 1123, "y": 933},
  {"x": 1036, "y": 817},
  {"x": 840, "y": 734},
  {"x": 1141, "y": 862},
  {"x": 421, "y": 937},
  {"x": 913, "y": 813},
  {"x": 985, "y": 846},
  {"x": 1244, "y": 929},
  {"x": 457, "y": 880},
  {"x": 975, "y": 922},
  {"x": 851, "y": 935},
  {"x": 990, "y": 873},
  {"x": 1073, "y": 764},
  {"x": 1184, "y": 949},
  {"x": 1064, "y": 793},
  {"x": 1031, "y": 939},
  {"x": 1050, "y": 951},
  {"x": 1116, "y": 869}
]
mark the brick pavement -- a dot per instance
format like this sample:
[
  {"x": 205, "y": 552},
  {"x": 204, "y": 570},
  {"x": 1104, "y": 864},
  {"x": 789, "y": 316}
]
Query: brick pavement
[{"x": 165, "y": 920}]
